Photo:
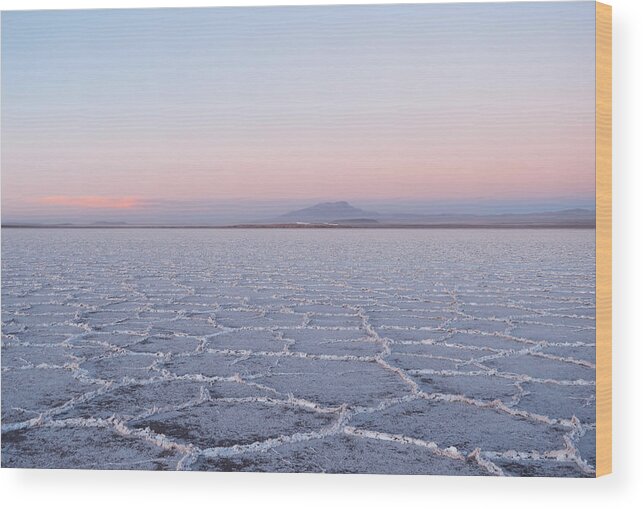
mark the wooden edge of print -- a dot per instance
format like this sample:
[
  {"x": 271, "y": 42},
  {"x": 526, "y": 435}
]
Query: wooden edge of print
[{"x": 603, "y": 239}]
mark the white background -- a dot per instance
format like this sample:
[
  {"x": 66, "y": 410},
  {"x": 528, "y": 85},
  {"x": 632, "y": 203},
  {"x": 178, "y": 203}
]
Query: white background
[{"x": 96, "y": 489}]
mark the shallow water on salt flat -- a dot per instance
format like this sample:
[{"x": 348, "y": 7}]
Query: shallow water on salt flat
[{"x": 463, "y": 352}]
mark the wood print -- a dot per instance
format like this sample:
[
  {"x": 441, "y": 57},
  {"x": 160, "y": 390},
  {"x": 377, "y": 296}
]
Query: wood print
[{"x": 332, "y": 239}]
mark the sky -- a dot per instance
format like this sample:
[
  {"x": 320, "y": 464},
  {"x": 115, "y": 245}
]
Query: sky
[{"x": 228, "y": 114}]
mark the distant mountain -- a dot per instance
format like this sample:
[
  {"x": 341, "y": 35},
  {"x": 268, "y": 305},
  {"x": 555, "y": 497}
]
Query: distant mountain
[
  {"x": 571, "y": 217},
  {"x": 343, "y": 214},
  {"x": 327, "y": 212}
]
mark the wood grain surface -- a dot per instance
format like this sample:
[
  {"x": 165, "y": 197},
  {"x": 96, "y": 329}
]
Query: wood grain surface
[{"x": 603, "y": 239}]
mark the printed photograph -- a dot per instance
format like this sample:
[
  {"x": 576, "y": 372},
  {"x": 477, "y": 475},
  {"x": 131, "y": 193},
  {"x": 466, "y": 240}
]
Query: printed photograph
[{"x": 331, "y": 239}]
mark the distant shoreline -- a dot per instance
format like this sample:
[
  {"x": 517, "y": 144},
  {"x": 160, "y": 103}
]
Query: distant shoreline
[
  {"x": 312, "y": 227},
  {"x": 335, "y": 215}
]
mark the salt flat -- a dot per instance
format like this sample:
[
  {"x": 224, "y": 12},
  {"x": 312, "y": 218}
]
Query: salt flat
[{"x": 460, "y": 352}]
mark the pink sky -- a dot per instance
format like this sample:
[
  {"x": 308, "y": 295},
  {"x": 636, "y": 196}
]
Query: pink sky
[{"x": 426, "y": 103}]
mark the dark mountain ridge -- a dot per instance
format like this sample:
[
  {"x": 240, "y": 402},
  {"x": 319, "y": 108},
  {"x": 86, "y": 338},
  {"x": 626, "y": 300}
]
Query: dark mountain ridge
[
  {"x": 342, "y": 213},
  {"x": 327, "y": 212}
]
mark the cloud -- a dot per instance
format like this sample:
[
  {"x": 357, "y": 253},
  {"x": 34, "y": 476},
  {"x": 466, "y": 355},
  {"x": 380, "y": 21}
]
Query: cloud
[{"x": 92, "y": 202}]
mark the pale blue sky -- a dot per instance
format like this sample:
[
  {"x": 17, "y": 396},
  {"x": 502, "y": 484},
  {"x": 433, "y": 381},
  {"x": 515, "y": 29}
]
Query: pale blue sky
[{"x": 187, "y": 113}]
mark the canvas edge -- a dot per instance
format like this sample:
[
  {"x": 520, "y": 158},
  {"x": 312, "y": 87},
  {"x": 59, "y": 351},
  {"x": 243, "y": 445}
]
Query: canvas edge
[{"x": 603, "y": 239}]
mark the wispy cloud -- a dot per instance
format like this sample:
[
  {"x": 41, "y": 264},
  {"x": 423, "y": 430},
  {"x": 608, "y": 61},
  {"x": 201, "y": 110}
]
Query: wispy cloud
[{"x": 92, "y": 202}]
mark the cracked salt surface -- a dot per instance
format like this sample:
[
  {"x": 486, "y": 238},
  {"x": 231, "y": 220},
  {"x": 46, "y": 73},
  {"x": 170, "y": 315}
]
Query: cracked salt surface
[{"x": 458, "y": 352}]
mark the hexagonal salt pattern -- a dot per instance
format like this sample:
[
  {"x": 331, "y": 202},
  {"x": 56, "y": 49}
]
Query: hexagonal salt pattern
[{"x": 463, "y": 352}]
